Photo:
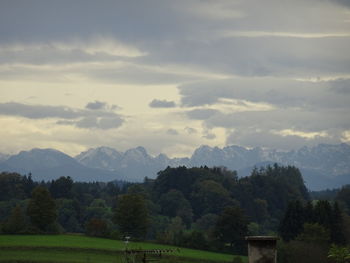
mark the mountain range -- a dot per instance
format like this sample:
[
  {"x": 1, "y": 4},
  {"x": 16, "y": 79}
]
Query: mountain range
[
  {"x": 48, "y": 164},
  {"x": 323, "y": 166}
]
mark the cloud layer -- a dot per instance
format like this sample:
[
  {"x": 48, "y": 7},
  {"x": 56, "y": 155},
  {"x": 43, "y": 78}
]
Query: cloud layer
[
  {"x": 93, "y": 117},
  {"x": 186, "y": 72}
]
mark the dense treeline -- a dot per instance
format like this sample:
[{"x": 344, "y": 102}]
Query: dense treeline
[
  {"x": 322, "y": 213},
  {"x": 317, "y": 231},
  {"x": 314, "y": 232},
  {"x": 75, "y": 203},
  {"x": 207, "y": 208},
  {"x": 263, "y": 196}
]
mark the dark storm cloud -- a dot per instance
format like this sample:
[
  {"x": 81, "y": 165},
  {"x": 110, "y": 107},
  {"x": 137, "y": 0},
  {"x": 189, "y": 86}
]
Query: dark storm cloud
[
  {"x": 162, "y": 104},
  {"x": 68, "y": 116}
]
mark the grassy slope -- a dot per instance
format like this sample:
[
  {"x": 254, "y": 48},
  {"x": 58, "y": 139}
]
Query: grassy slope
[
  {"x": 75, "y": 241},
  {"x": 57, "y": 256}
]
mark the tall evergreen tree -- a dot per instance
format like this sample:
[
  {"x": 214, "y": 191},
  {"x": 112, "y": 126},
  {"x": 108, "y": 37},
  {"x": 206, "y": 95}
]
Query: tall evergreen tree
[
  {"x": 309, "y": 212},
  {"x": 323, "y": 213},
  {"x": 62, "y": 187},
  {"x": 292, "y": 223},
  {"x": 343, "y": 197},
  {"x": 336, "y": 229}
]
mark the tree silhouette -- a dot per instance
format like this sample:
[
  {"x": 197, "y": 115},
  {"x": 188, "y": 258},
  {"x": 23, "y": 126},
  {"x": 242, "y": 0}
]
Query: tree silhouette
[
  {"x": 41, "y": 208},
  {"x": 232, "y": 227},
  {"x": 16, "y": 222},
  {"x": 292, "y": 222},
  {"x": 131, "y": 215}
]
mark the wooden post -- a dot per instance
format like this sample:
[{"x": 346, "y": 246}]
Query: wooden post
[{"x": 262, "y": 249}]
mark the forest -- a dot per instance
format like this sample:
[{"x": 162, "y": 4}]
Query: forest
[{"x": 200, "y": 207}]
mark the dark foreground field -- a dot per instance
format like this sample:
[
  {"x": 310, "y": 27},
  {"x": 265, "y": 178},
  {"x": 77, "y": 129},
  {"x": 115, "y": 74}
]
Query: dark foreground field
[{"x": 76, "y": 248}]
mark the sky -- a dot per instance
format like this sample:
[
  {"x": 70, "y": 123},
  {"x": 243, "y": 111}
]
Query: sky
[{"x": 173, "y": 75}]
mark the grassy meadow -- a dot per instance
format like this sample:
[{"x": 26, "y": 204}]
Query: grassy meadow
[{"x": 79, "y": 248}]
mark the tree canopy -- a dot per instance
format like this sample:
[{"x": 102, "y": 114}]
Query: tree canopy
[
  {"x": 42, "y": 208},
  {"x": 131, "y": 215}
]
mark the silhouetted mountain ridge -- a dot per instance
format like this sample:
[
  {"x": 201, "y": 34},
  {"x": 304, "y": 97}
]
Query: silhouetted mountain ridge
[
  {"x": 323, "y": 166},
  {"x": 48, "y": 164}
]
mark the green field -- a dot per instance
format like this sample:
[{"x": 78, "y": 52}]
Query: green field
[{"x": 78, "y": 248}]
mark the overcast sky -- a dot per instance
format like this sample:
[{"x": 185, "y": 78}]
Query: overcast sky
[{"x": 173, "y": 75}]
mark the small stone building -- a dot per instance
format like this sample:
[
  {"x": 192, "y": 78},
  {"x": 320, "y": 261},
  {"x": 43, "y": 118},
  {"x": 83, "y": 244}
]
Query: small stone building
[{"x": 262, "y": 249}]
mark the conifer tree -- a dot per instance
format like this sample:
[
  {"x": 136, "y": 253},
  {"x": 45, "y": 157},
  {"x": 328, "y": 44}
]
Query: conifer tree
[
  {"x": 293, "y": 221},
  {"x": 337, "y": 234}
]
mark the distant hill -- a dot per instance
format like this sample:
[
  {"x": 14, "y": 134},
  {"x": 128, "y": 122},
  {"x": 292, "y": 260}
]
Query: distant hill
[
  {"x": 323, "y": 166},
  {"x": 48, "y": 164}
]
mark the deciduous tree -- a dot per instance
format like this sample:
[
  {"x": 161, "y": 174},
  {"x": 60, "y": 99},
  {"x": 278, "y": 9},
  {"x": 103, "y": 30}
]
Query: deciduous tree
[
  {"x": 131, "y": 215},
  {"x": 16, "y": 222},
  {"x": 232, "y": 227},
  {"x": 41, "y": 208}
]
